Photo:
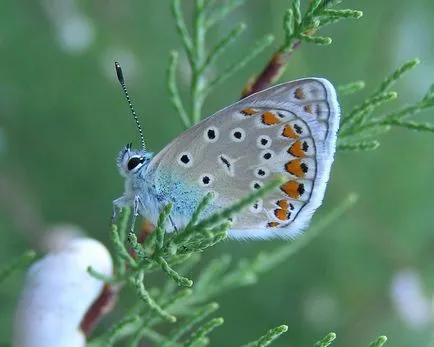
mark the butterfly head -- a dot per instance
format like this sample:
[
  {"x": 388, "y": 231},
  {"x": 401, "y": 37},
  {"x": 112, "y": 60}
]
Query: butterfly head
[{"x": 132, "y": 162}]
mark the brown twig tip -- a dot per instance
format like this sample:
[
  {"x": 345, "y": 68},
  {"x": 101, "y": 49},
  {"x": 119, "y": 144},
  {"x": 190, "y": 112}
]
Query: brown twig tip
[
  {"x": 269, "y": 75},
  {"x": 101, "y": 306},
  {"x": 146, "y": 229},
  {"x": 279, "y": 61}
]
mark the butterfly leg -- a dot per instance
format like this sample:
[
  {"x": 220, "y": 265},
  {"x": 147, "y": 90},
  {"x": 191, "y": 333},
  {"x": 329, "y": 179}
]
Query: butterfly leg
[
  {"x": 136, "y": 206},
  {"x": 173, "y": 223},
  {"x": 117, "y": 207}
]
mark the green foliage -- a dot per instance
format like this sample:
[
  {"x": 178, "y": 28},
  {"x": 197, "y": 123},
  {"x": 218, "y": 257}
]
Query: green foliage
[
  {"x": 326, "y": 340},
  {"x": 361, "y": 124},
  {"x": 298, "y": 28},
  {"x": 164, "y": 250},
  {"x": 192, "y": 307},
  {"x": 380, "y": 341},
  {"x": 198, "y": 58},
  {"x": 269, "y": 337},
  {"x": 197, "y": 338},
  {"x": 330, "y": 337},
  {"x": 359, "y": 127},
  {"x": 20, "y": 263}
]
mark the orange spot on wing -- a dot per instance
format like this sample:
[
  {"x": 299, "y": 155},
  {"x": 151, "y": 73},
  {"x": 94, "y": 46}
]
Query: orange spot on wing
[
  {"x": 283, "y": 204},
  {"x": 289, "y": 132},
  {"x": 296, "y": 149},
  {"x": 281, "y": 214},
  {"x": 273, "y": 224},
  {"x": 298, "y": 94},
  {"x": 269, "y": 118},
  {"x": 308, "y": 108},
  {"x": 296, "y": 168},
  {"x": 293, "y": 189},
  {"x": 248, "y": 111}
]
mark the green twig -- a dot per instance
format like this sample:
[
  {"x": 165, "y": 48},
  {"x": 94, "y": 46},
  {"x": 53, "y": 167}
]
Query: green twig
[
  {"x": 269, "y": 337},
  {"x": 396, "y": 75},
  {"x": 180, "y": 280},
  {"x": 410, "y": 125},
  {"x": 174, "y": 96},
  {"x": 380, "y": 341},
  {"x": 259, "y": 47},
  {"x": 198, "y": 79},
  {"x": 21, "y": 262},
  {"x": 241, "y": 204},
  {"x": 326, "y": 340},
  {"x": 120, "y": 249},
  {"x": 199, "y": 210},
  {"x": 152, "y": 335},
  {"x": 147, "y": 299},
  {"x": 350, "y": 88},
  {"x": 160, "y": 229},
  {"x": 188, "y": 324},
  {"x": 298, "y": 28},
  {"x": 182, "y": 28},
  {"x": 101, "y": 277},
  {"x": 204, "y": 330},
  {"x": 221, "y": 46},
  {"x": 359, "y": 146},
  {"x": 220, "y": 13},
  {"x": 115, "y": 333}
]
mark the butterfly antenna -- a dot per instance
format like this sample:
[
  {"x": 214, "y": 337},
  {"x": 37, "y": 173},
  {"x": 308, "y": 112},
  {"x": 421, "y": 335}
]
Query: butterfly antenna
[{"x": 121, "y": 80}]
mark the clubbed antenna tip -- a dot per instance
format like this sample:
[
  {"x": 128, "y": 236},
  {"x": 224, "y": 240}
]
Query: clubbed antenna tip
[{"x": 120, "y": 75}]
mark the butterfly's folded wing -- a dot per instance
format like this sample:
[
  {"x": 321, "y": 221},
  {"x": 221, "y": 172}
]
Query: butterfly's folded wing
[{"x": 287, "y": 130}]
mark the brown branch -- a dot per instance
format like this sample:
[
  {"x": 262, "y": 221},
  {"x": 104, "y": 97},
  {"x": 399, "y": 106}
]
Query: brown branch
[
  {"x": 276, "y": 66},
  {"x": 271, "y": 73},
  {"x": 101, "y": 306}
]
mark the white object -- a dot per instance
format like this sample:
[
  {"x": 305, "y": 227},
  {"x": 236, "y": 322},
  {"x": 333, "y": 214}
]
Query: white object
[
  {"x": 57, "y": 293},
  {"x": 411, "y": 303}
]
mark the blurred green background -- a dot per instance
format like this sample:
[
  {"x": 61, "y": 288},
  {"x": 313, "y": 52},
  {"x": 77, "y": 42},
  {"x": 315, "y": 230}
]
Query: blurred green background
[{"x": 63, "y": 120}]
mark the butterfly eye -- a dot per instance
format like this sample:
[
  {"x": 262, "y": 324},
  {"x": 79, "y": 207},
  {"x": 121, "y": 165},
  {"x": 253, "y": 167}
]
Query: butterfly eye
[{"x": 134, "y": 161}]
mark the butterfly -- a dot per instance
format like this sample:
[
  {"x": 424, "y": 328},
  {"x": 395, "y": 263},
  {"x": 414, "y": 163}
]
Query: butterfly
[{"x": 287, "y": 130}]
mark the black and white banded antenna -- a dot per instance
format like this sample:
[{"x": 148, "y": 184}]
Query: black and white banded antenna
[{"x": 124, "y": 88}]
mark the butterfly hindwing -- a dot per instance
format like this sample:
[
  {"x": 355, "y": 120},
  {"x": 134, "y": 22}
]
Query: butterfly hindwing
[{"x": 287, "y": 130}]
